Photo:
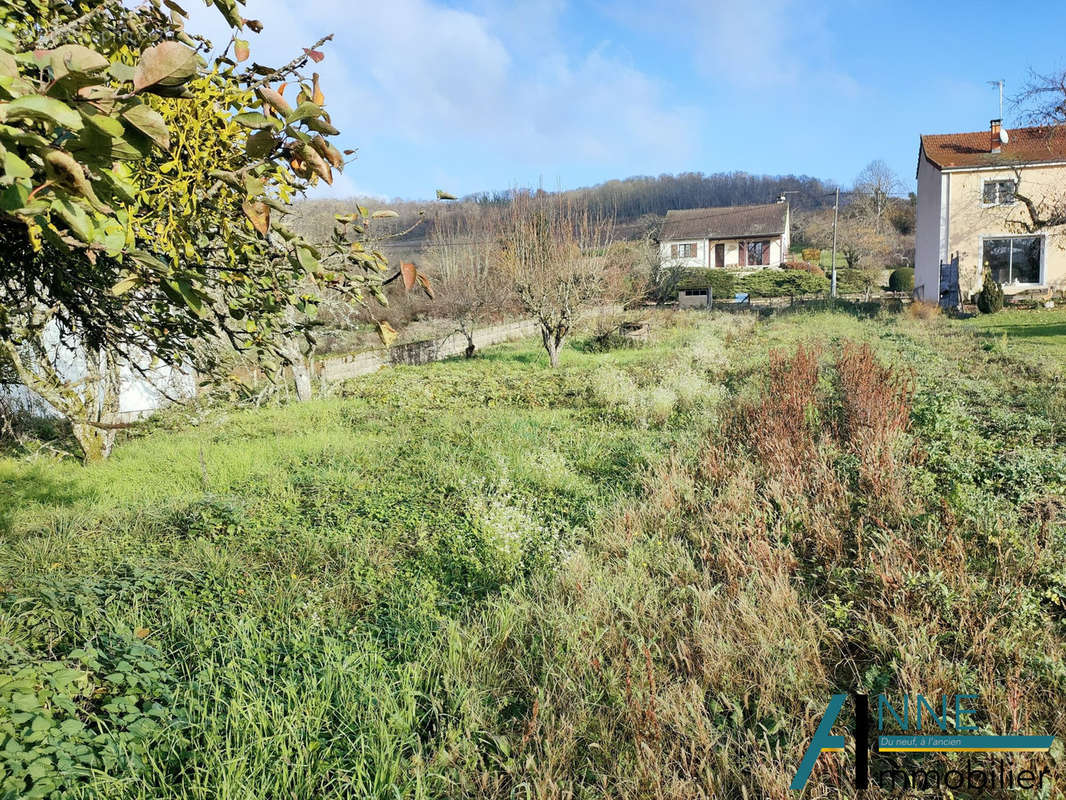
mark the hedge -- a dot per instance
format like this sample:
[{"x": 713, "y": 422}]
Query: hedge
[
  {"x": 853, "y": 281},
  {"x": 771, "y": 282},
  {"x": 718, "y": 281},
  {"x": 782, "y": 283}
]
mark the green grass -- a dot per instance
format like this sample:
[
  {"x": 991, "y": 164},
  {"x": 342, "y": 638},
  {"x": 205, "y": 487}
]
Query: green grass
[
  {"x": 825, "y": 261},
  {"x": 487, "y": 579},
  {"x": 1041, "y": 332}
]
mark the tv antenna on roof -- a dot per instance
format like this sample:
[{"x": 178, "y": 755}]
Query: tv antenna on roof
[{"x": 999, "y": 84}]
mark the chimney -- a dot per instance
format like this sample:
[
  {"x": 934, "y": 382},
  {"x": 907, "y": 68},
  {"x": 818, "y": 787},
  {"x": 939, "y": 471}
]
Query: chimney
[{"x": 997, "y": 145}]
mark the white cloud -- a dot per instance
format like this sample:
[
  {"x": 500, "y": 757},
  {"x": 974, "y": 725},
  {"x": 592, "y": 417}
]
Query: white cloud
[
  {"x": 498, "y": 80},
  {"x": 745, "y": 43}
]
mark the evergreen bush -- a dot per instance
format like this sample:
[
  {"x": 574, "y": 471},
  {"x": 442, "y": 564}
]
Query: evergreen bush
[
  {"x": 990, "y": 298},
  {"x": 901, "y": 280}
]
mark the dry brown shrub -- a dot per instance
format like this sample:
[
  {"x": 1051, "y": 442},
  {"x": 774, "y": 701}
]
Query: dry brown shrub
[
  {"x": 786, "y": 431},
  {"x": 923, "y": 310},
  {"x": 875, "y": 411},
  {"x": 779, "y": 428}
]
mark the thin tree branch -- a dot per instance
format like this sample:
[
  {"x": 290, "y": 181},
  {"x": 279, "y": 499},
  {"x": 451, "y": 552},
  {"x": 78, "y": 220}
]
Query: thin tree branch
[
  {"x": 56, "y": 35},
  {"x": 297, "y": 63}
]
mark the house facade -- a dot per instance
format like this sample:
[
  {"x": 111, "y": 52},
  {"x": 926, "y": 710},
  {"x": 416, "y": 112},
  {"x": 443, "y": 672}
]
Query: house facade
[
  {"x": 983, "y": 198},
  {"x": 734, "y": 237}
]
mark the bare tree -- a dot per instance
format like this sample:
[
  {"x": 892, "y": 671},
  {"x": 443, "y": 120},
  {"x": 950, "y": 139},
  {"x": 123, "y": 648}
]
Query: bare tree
[
  {"x": 553, "y": 251},
  {"x": 461, "y": 239},
  {"x": 634, "y": 271},
  {"x": 471, "y": 289},
  {"x": 1043, "y": 99},
  {"x": 1044, "y": 102},
  {"x": 473, "y": 298},
  {"x": 875, "y": 187},
  {"x": 858, "y": 242}
]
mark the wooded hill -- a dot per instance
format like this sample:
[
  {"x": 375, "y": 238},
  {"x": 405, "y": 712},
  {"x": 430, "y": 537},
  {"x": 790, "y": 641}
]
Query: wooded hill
[{"x": 637, "y": 204}]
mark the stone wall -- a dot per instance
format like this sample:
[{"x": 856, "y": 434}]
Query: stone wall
[{"x": 340, "y": 367}]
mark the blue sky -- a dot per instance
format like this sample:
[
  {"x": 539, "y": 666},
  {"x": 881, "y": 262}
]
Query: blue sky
[{"x": 485, "y": 95}]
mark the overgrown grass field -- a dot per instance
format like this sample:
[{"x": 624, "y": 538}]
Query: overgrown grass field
[{"x": 640, "y": 575}]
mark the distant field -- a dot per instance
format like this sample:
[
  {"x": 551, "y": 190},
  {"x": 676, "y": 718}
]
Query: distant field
[
  {"x": 642, "y": 575},
  {"x": 1040, "y": 331},
  {"x": 826, "y": 261}
]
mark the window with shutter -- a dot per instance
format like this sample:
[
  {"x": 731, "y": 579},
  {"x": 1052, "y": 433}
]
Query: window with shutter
[{"x": 758, "y": 253}]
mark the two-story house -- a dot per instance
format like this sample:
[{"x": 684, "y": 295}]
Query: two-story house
[
  {"x": 731, "y": 236},
  {"x": 970, "y": 206}
]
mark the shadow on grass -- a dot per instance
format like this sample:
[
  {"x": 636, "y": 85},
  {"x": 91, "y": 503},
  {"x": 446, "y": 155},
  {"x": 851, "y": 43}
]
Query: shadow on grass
[
  {"x": 33, "y": 486},
  {"x": 1048, "y": 330},
  {"x": 856, "y": 308}
]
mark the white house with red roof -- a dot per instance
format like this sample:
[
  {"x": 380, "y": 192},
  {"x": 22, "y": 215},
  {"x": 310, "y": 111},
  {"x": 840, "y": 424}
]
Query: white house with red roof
[{"x": 994, "y": 200}]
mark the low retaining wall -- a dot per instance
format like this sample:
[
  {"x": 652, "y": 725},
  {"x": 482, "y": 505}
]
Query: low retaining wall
[{"x": 341, "y": 367}]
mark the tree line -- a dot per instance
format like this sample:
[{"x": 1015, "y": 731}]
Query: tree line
[{"x": 629, "y": 202}]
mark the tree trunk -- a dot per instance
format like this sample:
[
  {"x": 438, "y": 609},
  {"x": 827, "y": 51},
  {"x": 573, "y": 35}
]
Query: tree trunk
[
  {"x": 466, "y": 328},
  {"x": 95, "y": 443},
  {"x": 301, "y": 374},
  {"x": 301, "y": 363},
  {"x": 553, "y": 339},
  {"x": 102, "y": 395},
  {"x": 95, "y": 399}
]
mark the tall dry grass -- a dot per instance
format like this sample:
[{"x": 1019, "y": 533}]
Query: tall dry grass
[{"x": 696, "y": 639}]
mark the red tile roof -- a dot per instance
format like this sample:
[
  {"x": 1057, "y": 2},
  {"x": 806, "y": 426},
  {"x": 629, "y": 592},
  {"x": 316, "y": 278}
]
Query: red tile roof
[{"x": 1026, "y": 146}]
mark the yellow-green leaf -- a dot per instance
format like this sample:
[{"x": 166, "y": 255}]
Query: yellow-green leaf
[
  {"x": 256, "y": 120},
  {"x": 386, "y": 333},
  {"x": 304, "y": 111},
  {"x": 104, "y": 123},
  {"x": 123, "y": 286},
  {"x": 15, "y": 167},
  {"x": 75, "y": 218}
]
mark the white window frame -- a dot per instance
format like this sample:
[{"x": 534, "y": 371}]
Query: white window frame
[
  {"x": 1043, "y": 255},
  {"x": 998, "y": 203}
]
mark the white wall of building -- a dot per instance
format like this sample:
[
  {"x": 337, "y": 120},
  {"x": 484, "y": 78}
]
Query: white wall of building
[
  {"x": 698, "y": 260},
  {"x": 705, "y": 252},
  {"x": 139, "y": 396},
  {"x": 930, "y": 238}
]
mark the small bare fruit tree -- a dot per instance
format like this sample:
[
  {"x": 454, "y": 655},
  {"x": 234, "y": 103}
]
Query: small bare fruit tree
[
  {"x": 554, "y": 251},
  {"x": 471, "y": 289}
]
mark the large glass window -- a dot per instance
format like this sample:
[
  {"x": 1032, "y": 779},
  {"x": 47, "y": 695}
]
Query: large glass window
[
  {"x": 1015, "y": 259},
  {"x": 682, "y": 251}
]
